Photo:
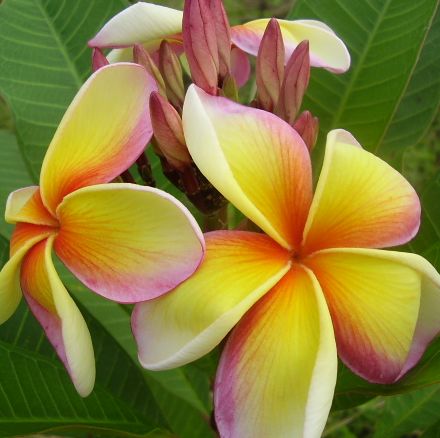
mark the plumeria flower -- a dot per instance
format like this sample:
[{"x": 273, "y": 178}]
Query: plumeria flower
[
  {"x": 148, "y": 24},
  {"x": 313, "y": 285},
  {"x": 125, "y": 242}
]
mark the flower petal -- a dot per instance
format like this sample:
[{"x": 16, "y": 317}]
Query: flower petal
[
  {"x": 384, "y": 304},
  {"x": 360, "y": 201},
  {"x": 277, "y": 373},
  {"x": 187, "y": 323},
  {"x": 24, "y": 237},
  {"x": 326, "y": 49},
  {"x": 103, "y": 132},
  {"x": 139, "y": 23},
  {"x": 254, "y": 159},
  {"x": 26, "y": 205},
  {"x": 57, "y": 313},
  {"x": 126, "y": 242}
]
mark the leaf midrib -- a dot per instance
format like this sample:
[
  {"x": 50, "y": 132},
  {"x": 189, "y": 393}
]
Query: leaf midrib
[
  {"x": 359, "y": 65},
  {"x": 408, "y": 80},
  {"x": 63, "y": 49}
]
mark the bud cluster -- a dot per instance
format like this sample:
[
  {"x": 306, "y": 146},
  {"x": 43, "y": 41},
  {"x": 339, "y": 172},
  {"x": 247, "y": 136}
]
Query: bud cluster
[
  {"x": 217, "y": 66},
  {"x": 281, "y": 86}
]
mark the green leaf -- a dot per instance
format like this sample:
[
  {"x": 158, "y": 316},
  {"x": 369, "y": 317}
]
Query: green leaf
[
  {"x": 407, "y": 413},
  {"x": 45, "y": 59},
  {"x": 351, "y": 390},
  {"x": 390, "y": 95},
  {"x": 427, "y": 241},
  {"x": 37, "y": 395},
  {"x": 4, "y": 251},
  {"x": 13, "y": 173}
]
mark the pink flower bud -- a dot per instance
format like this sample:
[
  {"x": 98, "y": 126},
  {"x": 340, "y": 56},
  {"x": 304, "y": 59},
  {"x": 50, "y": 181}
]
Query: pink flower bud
[
  {"x": 270, "y": 66},
  {"x": 223, "y": 33},
  {"x": 307, "y": 127},
  {"x": 142, "y": 57},
  {"x": 171, "y": 71},
  {"x": 98, "y": 59},
  {"x": 295, "y": 83},
  {"x": 168, "y": 131},
  {"x": 200, "y": 43}
]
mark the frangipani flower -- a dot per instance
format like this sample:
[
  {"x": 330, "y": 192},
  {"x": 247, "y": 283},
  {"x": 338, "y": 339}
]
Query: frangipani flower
[
  {"x": 125, "y": 242},
  {"x": 148, "y": 24},
  {"x": 313, "y": 285}
]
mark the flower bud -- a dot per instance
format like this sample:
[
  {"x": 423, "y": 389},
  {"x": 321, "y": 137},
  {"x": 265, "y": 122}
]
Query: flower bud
[
  {"x": 223, "y": 33},
  {"x": 270, "y": 66},
  {"x": 295, "y": 83},
  {"x": 171, "y": 71},
  {"x": 307, "y": 127},
  {"x": 168, "y": 131},
  {"x": 200, "y": 43},
  {"x": 142, "y": 57},
  {"x": 98, "y": 59}
]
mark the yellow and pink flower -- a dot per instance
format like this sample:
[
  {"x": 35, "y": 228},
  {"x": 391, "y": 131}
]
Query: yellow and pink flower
[
  {"x": 127, "y": 243},
  {"x": 315, "y": 284}
]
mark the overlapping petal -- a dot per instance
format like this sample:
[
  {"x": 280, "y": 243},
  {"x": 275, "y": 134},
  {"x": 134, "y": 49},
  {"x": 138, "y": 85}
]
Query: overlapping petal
[
  {"x": 384, "y": 304},
  {"x": 360, "y": 201},
  {"x": 57, "y": 313},
  {"x": 126, "y": 242},
  {"x": 327, "y": 50},
  {"x": 277, "y": 372},
  {"x": 185, "y": 324},
  {"x": 24, "y": 237},
  {"x": 139, "y": 23},
  {"x": 256, "y": 160},
  {"x": 26, "y": 205},
  {"x": 103, "y": 132}
]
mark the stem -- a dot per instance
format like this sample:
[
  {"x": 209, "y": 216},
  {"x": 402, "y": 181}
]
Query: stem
[
  {"x": 144, "y": 168},
  {"x": 217, "y": 220},
  {"x": 127, "y": 177}
]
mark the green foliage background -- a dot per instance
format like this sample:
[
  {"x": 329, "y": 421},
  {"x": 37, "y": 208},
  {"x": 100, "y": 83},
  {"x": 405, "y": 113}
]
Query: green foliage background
[{"x": 389, "y": 100}]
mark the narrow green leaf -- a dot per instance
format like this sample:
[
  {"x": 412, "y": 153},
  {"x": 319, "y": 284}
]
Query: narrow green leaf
[{"x": 4, "y": 251}]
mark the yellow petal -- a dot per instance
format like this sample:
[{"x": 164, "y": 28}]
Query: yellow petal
[
  {"x": 103, "y": 132},
  {"x": 382, "y": 305},
  {"x": 139, "y": 23},
  {"x": 277, "y": 372},
  {"x": 57, "y": 313},
  {"x": 326, "y": 49},
  {"x": 25, "y": 236},
  {"x": 127, "y": 242},
  {"x": 25, "y": 205},
  {"x": 360, "y": 201},
  {"x": 185, "y": 324},
  {"x": 254, "y": 159}
]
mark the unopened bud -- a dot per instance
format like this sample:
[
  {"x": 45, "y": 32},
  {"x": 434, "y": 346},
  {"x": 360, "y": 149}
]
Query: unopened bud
[
  {"x": 223, "y": 33},
  {"x": 307, "y": 127},
  {"x": 295, "y": 83},
  {"x": 171, "y": 71},
  {"x": 98, "y": 59},
  {"x": 168, "y": 131},
  {"x": 200, "y": 43},
  {"x": 142, "y": 57},
  {"x": 270, "y": 66}
]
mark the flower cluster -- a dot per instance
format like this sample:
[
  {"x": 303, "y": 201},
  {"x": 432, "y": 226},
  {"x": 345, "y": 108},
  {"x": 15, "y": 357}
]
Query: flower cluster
[{"x": 308, "y": 283}]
